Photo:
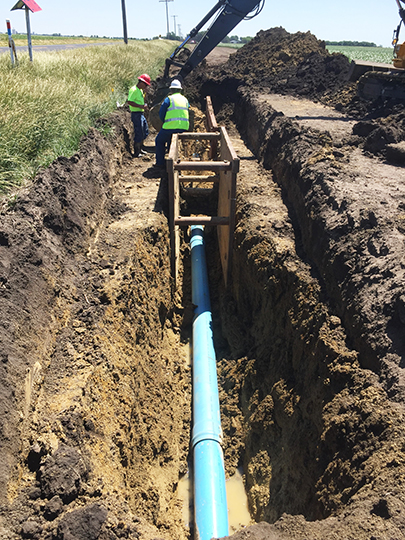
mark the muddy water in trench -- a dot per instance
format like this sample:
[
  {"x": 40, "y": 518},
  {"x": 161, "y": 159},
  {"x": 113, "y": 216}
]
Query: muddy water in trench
[{"x": 238, "y": 512}]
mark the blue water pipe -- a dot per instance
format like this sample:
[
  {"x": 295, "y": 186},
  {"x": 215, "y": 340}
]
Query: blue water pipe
[{"x": 210, "y": 505}]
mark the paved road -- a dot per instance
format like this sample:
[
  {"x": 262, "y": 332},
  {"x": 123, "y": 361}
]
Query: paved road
[{"x": 56, "y": 47}]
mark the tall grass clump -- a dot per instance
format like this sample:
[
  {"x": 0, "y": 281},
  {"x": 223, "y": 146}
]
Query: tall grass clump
[{"x": 48, "y": 104}]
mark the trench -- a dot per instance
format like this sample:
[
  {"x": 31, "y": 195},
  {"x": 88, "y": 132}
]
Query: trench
[{"x": 301, "y": 417}]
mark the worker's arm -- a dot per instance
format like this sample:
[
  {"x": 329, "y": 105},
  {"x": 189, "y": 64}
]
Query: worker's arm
[
  {"x": 133, "y": 104},
  {"x": 163, "y": 109}
]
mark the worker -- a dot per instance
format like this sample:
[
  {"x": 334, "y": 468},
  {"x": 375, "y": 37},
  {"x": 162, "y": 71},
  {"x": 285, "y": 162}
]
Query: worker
[
  {"x": 174, "y": 113},
  {"x": 137, "y": 106}
]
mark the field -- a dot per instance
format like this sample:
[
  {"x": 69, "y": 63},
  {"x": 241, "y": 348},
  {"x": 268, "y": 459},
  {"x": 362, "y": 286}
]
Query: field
[{"x": 381, "y": 55}]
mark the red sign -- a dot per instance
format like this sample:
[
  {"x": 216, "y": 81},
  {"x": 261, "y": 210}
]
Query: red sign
[{"x": 31, "y": 5}]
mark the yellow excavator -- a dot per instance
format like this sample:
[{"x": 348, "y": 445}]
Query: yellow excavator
[
  {"x": 383, "y": 80},
  {"x": 399, "y": 48}
]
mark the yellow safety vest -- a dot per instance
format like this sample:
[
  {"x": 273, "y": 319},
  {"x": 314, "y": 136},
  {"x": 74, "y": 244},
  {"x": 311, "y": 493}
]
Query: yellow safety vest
[
  {"x": 136, "y": 95},
  {"x": 176, "y": 116}
]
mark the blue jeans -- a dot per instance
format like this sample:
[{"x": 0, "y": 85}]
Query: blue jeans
[
  {"x": 162, "y": 142},
  {"x": 141, "y": 129}
]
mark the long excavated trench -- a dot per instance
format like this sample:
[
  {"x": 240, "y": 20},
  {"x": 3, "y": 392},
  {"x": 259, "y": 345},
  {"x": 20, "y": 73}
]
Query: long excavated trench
[{"x": 95, "y": 369}]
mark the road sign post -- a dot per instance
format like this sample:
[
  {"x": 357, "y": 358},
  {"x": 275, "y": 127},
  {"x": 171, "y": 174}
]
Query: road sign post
[
  {"x": 10, "y": 41},
  {"x": 27, "y": 5}
]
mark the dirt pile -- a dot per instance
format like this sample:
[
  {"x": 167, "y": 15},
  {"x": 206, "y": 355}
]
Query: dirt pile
[
  {"x": 276, "y": 61},
  {"x": 290, "y": 63},
  {"x": 280, "y": 62}
]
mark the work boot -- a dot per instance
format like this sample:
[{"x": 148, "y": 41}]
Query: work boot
[
  {"x": 143, "y": 151},
  {"x": 137, "y": 149}
]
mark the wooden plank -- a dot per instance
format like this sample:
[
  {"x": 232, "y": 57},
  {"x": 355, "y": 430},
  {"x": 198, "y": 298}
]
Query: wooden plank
[
  {"x": 226, "y": 203},
  {"x": 211, "y": 121},
  {"x": 202, "y": 220},
  {"x": 209, "y": 136},
  {"x": 203, "y": 166},
  {"x": 174, "y": 148},
  {"x": 227, "y": 151},
  {"x": 174, "y": 206},
  {"x": 196, "y": 178}
]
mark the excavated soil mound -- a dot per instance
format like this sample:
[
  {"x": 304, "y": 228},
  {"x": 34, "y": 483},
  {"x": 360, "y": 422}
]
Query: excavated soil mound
[
  {"x": 276, "y": 61},
  {"x": 290, "y": 63}
]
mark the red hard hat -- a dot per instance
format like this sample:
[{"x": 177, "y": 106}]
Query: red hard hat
[{"x": 144, "y": 78}]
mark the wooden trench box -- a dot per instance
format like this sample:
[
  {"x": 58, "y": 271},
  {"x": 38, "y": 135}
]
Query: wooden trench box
[{"x": 199, "y": 165}]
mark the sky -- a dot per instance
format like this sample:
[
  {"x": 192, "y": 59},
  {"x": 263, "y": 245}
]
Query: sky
[{"x": 352, "y": 20}]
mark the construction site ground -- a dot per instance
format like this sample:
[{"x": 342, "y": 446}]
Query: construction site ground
[{"x": 95, "y": 374}]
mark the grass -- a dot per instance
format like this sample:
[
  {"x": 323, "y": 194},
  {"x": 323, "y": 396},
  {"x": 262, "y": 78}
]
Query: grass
[
  {"x": 379, "y": 55},
  {"x": 48, "y": 104}
]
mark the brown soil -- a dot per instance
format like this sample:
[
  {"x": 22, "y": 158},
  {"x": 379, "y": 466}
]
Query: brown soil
[{"x": 95, "y": 378}]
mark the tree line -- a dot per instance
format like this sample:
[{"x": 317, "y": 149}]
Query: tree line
[
  {"x": 351, "y": 43},
  {"x": 199, "y": 35}
]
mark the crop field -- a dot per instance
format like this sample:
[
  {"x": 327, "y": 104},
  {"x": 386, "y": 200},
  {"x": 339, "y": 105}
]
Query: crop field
[{"x": 381, "y": 55}]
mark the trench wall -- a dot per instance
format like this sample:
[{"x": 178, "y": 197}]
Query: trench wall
[
  {"x": 95, "y": 415},
  {"x": 352, "y": 245},
  {"x": 52, "y": 220},
  {"x": 316, "y": 422}
]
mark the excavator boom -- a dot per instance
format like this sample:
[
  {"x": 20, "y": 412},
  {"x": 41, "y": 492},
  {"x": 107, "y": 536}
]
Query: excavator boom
[{"x": 229, "y": 13}]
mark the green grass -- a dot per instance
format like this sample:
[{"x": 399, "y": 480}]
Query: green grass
[
  {"x": 380, "y": 55},
  {"x": 48, "y": 104}
]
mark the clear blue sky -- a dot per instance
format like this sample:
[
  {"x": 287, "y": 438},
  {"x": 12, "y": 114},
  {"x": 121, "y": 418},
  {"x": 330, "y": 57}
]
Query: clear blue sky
[{"x": 355, "y": 20}]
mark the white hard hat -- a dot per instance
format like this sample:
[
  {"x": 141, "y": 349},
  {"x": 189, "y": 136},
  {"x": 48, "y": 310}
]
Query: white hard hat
[{"x": 176, "y": 84}]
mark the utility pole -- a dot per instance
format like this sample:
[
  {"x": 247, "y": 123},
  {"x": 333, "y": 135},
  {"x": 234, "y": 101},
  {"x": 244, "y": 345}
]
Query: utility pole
[
  {"x": 167, "y": 14},
  {"x": 174, "y": 18},
  {"x": 124, "y": 22}
]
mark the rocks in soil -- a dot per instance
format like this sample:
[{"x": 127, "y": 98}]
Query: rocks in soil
[
  {"x": 62, "y": 474},
  {"x": 82, "y": 524}
]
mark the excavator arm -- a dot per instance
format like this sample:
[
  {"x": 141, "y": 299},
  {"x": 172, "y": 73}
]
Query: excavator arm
[
  {"x": 399, "y": 49},
  {"x": 228, "y": 13}
]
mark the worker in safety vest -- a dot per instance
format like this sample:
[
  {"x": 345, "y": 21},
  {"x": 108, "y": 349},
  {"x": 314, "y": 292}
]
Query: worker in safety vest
[
  {"x": 175, "y": 117},
  {"x": 137, "y": 106}
]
